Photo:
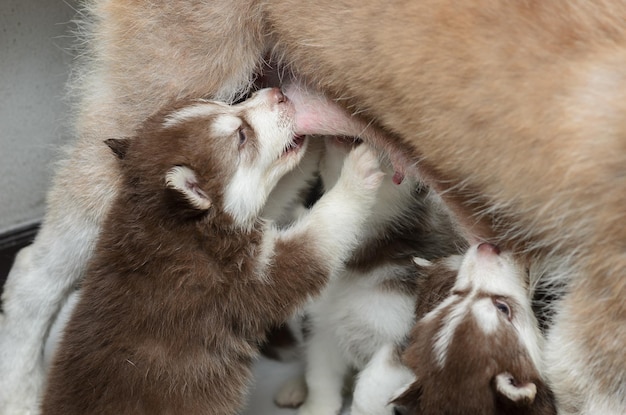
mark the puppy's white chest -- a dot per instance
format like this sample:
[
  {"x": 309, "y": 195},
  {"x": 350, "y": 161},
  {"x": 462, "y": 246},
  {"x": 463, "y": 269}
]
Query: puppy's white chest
[{"x": 361, "y": 317}]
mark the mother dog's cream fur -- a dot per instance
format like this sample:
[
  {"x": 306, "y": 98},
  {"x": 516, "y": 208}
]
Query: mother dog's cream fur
[{"x": 516, "y": 109}]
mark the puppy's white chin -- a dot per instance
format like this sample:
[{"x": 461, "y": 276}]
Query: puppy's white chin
[{"x": 290, "y": 158}]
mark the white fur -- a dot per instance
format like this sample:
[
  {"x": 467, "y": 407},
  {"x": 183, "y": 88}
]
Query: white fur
[
  {"x": 354, "y": 320},
  {"x": 285, "y": 202},
  {"x": 246, "y": 193},
  {"x": 379, "y": 382},
  {"x": 363, "y": 160},
  {"x": 421, "y": 262},
  {"x": 184, "y": 180},
  {"x": 30, "y": 301},
  {"x": 194, "y": 111},
  {"x": 596, "y": 401},
  {"x": 482, "y": 311},
  {"x": 336, "y": 221},
  {"x": 292, "y": 393},
  {"x": 56, "y": 331},
  {"x": 515, "y": 393},
  {"x": 443, "y": 338},
  {"x": 492, "y": 274},
  {"x": 225, "y": 124},
  {"x": 258, "y": 172}
]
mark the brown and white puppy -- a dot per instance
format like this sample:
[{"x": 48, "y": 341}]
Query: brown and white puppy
[
  {"x": 186, "y": 277},
  {"x": 370, "y": 305},
  {"x": 476, "y": 346},
  {"x": 516, "y": 109}
]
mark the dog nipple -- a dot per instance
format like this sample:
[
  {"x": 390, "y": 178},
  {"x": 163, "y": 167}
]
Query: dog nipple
[{"x": 398, "y": 177}]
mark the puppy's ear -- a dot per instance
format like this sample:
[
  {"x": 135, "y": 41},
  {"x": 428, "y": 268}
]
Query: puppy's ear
[
  {"x": 183, "y": 180},
  {"x": 509, "y": 387},
  {"x": 531, "y": 398},
  {"x": 421, "y": 263},
  {"x": 119, "y": 146}
]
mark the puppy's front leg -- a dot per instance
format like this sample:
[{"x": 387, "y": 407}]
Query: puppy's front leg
[
  {"x": 335, "y": 223},
  {"x": 325, "y": 374},
  {"x": 379, "y": 383},
  {"x": 296, "y": 262}
]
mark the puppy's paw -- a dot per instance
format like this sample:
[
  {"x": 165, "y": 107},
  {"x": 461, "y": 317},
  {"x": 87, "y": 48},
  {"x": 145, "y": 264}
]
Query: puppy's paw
[
  {"x": 292, "y": 394},
  {"x": 362, "y": 169}
]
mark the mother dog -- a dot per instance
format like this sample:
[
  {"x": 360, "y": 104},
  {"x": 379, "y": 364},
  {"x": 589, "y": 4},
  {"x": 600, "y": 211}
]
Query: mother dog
[{"x": 514, "y": 109}]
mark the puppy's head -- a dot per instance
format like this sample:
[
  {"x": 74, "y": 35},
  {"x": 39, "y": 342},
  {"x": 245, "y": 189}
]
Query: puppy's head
[
  {"x": 478, "y": 349},
  {"x": 205, "y": 156}
]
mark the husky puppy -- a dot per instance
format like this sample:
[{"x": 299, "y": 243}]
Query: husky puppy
[
  {"x": 186, "y": 277},
  {"x": 371, "y": 304},
  {"x": 515, "y": 110},
  {"x": 476, "y": 347}
]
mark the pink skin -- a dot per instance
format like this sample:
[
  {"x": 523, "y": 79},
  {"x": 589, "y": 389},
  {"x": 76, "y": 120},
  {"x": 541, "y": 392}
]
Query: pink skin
[
  {"x": 488, "y": 249},
  {"x": 316, "y": 114}
]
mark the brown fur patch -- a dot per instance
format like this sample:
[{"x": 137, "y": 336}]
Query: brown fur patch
[
  {"x": 465, "y": 383},
  {"x": 174, "y": 305}
]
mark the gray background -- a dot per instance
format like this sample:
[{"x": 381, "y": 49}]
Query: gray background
[{"x": 35, "y": 59}]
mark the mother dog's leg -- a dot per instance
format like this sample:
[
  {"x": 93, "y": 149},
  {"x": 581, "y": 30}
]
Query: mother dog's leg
[
  {"x": 521, "y": 108},
  {"x": 141, "y": 55},
  {"x": 35, "y": 290}
]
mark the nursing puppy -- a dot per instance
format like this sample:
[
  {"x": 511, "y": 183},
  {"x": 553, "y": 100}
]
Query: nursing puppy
[
  {"x": 371, "y": 304},
  {"x": 517, "y": 112},
  {"x": 514, "y": 109},
  {"x": 476, "y": 347},
  {"x": 186, "y": 277}
]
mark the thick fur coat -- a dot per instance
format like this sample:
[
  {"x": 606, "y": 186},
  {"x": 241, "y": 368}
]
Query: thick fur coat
[
  {"x": 515, "y": 110},
  {"x": 475, "y": 348},
  {"x": 186, "y": 278},
  {"x": 369, "y": 308}
]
